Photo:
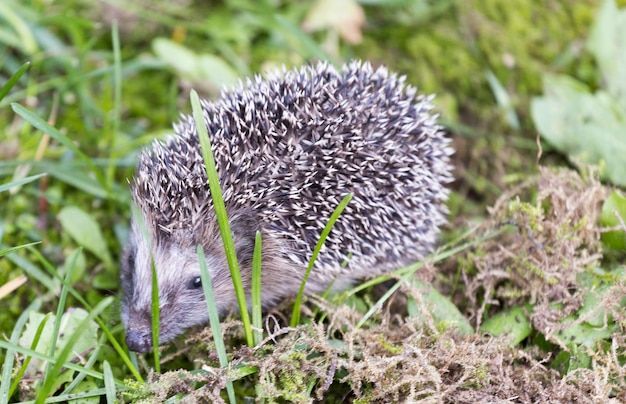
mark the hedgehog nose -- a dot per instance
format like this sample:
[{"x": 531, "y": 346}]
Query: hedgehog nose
[{"x": 138, "y": 341}]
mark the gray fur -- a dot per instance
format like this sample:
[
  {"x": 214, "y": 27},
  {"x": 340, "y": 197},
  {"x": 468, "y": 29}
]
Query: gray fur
[{"x": 288, "y": 148}]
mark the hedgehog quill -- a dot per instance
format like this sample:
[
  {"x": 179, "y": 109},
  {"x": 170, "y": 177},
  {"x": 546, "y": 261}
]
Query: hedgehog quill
[{"x": 288, "y": 148}]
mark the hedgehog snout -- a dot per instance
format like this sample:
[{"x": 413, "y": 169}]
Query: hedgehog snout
[
  {"x": 138, "y": 341},
  {"x": 138, "y": 328}
]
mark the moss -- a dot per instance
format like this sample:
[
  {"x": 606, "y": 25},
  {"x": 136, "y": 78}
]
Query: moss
[{"x": 450, "y": 52}]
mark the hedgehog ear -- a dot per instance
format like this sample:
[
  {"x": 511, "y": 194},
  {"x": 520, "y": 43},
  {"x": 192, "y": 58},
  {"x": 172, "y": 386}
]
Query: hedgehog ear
[{"x": 244, "y": 227}]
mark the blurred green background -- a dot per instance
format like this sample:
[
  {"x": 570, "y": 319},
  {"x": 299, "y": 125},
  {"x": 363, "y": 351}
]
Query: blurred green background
[{"x": 484, "y": 60}]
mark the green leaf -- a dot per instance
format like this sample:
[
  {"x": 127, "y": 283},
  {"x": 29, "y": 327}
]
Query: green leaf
[
  {"x": 593, "y": 299},
  {"x": 615, "y": 203},
  {"x": 589, "y": 128},
  {"x": 85, "y": 230},
  {"x": 93, "y": 393},
  {"x": 441, "y": 308},
  {"x": 513, "y": 322},
  {"x": 606, "y": 43},
  {"x": 78, "y": 178},
  {"x": 69, "y": 322},
  {"x": 503, "y": 99},
  {"x": 584, "y": 334},
  {"x": 566, "y": 362},
  {"x": 200, "y": 68}
]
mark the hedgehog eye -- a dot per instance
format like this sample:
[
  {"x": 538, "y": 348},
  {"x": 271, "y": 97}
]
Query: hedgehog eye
[
  {"x": 130, "y": 261},
  {"x": 196, "y": 283}
]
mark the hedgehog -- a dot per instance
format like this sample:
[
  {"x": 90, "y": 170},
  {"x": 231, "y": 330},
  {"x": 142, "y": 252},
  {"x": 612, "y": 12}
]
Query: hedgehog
[{"x": 288, "y": 148}]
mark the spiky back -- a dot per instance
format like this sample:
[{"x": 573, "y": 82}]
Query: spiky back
[{"x": 289, "y": 148}]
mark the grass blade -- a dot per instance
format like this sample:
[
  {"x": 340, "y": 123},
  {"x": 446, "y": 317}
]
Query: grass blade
[
  {"x": 74, "y": 397},
  {"x": 156, "y": 317},
  {"x": 257, "y": 320},
  {"x": 214, "y": 320},
  {"x": 60, "y": 361},
  {"x": 309, "y": 46},
  {"x": 15, "y": 347},
  {"x": 13, "y": 80},
  {"x": 32, "y": 271},
  {"x": 117, "y": 103},
  {"x": 44, "y": 127},
  {"x": 503, "y": 99},
  {"x": 408, "y": 271},
  {"x": 77, "y": 177},
  {"x": 44, "y": 279},
  {"x": 154, "y": 305},
  {"x": 16, "y": 248},
  {"x": 295, "y": 315},
  {"x": 27, "y": 360},
  {"x": 93, "y": 356},
  {"x": 61, "y": 310},
  {"x": 25, "y": 35},
  {"x": 109, "y": 382},
  {"x": 9, "y": 358},
  {"x": 7, "y": 186},
  {"x": 222, "y": 216}
]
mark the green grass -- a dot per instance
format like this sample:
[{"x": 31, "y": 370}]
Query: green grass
[
  {"x": 82, "y": 93},
  {"x": 222, "y": 217}
]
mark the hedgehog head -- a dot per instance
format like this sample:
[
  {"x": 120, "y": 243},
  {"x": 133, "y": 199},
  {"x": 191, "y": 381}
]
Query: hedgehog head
[{"x": 174, "y": 256}]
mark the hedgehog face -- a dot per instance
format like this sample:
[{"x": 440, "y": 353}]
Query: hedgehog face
[{"x": 181, "y": 297}]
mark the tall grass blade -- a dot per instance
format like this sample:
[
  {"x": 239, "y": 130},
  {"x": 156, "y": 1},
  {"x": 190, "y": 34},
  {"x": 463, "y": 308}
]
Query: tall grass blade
[
  {"x": 222, "y": 216},
  {"x": 61, "y": 309},
  {"x": 117, "y": 103},
  {"x": 257, "y": 320},
  {"x": 13, "y": 80},
  {"x": 409, "y": 271},
  {"x": 295, "y": 315},
  {"x": 16, "y": 248},
  {"x": 93, "y": 356},
  {"x": 109, "y": 382},
  {"x": 156, "y": 316},
  {"x": 214, "y": 320},
  {"x": 309, "y": 46}
]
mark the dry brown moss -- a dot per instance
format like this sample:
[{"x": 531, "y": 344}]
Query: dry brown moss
[
  {"x": 400, "y": 362},
  {"x": 396, "y": 358},
  {"x": 554, "y": 240}
]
